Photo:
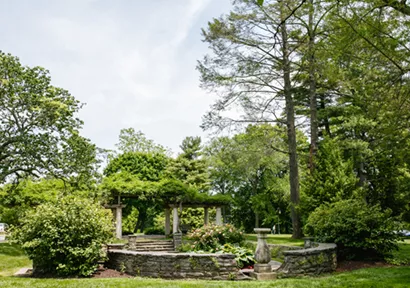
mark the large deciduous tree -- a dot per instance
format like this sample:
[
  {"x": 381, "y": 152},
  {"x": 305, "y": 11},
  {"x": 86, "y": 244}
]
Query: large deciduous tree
[
  {"x": 251, "y": 66},
  {"x": 38, "y": 127},
  {"x": 136, "y": 141}
]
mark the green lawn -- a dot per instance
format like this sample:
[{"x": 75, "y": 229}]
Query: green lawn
[
  {"x": 11, "y": 259},
  {"x": 378, "y": 277},
  {"x": 282, "y": 239},
  {"x": 402, "y": 256}
]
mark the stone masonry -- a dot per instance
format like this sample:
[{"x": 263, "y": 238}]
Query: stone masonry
[
  {"x": 311, "y": 261},
  {"x": 173, "y": 265}
]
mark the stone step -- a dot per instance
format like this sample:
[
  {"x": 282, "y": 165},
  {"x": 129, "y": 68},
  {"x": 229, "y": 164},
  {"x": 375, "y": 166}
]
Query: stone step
[
  {"x": 153, "y": 243},
  {"x": 155, "y": 250},
  {"x": 153, "y": 247}
]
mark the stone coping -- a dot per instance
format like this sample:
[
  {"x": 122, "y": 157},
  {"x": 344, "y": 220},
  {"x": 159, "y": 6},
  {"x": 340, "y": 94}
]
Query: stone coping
[
  {"x": 321, "y": 247},
  {"x": 172, "y": 254}
]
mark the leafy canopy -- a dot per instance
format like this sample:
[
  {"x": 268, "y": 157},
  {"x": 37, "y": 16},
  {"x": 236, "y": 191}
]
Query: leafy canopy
[{"x": 38, "y": 128}]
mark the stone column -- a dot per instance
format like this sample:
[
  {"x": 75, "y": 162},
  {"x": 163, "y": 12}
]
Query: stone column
[
  {"x": 262, "y": 253},
  {"x": 167, "y": 221},
  {"x": 118, "y": 219},
  {"x": 206, "y": 216},
  {"x": 175, "y": 220},
  {"x": 177, "y": 240},
  {"x": 218, "y": 216}
]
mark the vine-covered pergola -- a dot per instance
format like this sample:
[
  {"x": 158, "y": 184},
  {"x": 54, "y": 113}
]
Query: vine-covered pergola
[{"x": 173, "y": 195}]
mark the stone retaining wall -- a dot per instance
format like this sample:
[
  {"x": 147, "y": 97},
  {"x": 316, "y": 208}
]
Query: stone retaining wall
[
  {"x": 173, "y": 265},
  {"x": 310, "y": 261},
  {"x": 277, "y": 249}
]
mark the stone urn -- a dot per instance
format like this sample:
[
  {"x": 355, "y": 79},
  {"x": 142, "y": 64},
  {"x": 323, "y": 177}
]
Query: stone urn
[{"x": 262, "y": 253}]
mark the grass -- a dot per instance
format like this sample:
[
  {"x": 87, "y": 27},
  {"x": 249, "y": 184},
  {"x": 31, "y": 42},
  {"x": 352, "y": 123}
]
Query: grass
[
  {"x": 402, "y": 256},
  {"x": 282, "y": 239},
  {"x": 12, "y": 258},
  {"x": 376, "y": 277}
]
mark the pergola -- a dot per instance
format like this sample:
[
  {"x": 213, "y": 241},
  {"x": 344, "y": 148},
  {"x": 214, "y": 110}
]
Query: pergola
[{"x": 174, "y": 195}]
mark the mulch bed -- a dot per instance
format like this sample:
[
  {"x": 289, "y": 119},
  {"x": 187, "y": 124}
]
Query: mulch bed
[
  {"x": 344, "y": 266},
  {"x": 109, "y": 273}
]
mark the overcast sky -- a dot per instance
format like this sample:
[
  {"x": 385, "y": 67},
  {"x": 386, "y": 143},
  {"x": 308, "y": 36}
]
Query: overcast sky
[{"x": 131, "y": 61}]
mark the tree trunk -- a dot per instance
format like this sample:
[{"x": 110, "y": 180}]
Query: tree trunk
[
  {"x": 312, "y": 90},
  {"x": 326, "y": 120},
  {"x": 256, "y": 220},
  {"x": 290, "y": 121},
  {"x": 141, "y": 219}
]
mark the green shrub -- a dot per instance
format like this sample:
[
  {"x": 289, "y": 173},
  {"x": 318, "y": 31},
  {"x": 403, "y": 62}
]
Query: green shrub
[
  {"x": 243, "y": 256},
  {"x": 210, "y": 237},
  {"x": 65, "y": 238},
  {"x": 358, "y": 230},
  {"x": 154, "y": 231}
]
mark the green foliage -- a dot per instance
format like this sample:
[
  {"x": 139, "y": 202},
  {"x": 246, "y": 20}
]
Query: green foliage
[
  {"x": 16, "y": 199},
  {"x": 136, "y": 174},
  {"x": 359, "y": 230},
  {"x": 211, "y": 237},
  {"x": 243, "y": 256},
  {"x": 66, "y": 237},
  {"x": 154, "y": 231},
  {"x": 190, "y": 166},
  {"x": 38, "y": 127},
  {"x": 145, "y": 166},
  {"x": 333, "y": 178},
  {"x": 136, "y": 141},
  {"x": 252, "y": 167},
  {"x": 130, "y": 219}
]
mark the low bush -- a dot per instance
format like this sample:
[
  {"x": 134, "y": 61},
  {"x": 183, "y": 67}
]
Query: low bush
[
  {"x": 244, "y": 257},
  {"x": 65, "y": 238},
  {"x": 154, "y": 231},
  {"x": 358, "y": 230},
  {"x": 210, "y": 237}
]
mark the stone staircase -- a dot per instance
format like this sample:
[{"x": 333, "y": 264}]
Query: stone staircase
[{"x": 154, "y": 246}]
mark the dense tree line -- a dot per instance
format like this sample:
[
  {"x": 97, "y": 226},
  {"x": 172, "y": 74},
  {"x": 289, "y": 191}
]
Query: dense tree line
[{"x": 323, "y": 92}]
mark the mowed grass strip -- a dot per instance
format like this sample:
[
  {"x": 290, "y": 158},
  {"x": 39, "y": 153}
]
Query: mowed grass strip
[
  {"x": 375, "y": 277},
  {"x": 281, "y": 239}
]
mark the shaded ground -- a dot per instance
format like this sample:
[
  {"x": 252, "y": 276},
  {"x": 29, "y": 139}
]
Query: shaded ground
[
  {"x": 110, "y": 273},
  {"x": 344, "y": 266}
]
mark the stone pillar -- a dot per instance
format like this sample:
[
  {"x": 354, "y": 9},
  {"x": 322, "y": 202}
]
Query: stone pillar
[
  {"x": 206, "y": 216},
  {"x": 218, "y": 216},
  {"x": 262, "y": 253},
  {"x": 167, "y": 221},
  {"x": 118, "y": 219},
  {"x": 308, "y": 242},
  {"x": 177, "y": 240},
  {"x": 175, "y": 220},
  {"x": 132, "y": 242}
]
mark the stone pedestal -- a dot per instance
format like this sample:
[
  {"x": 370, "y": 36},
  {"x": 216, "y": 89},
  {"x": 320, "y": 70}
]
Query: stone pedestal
[
  {"x": 132, "y": 242},
  {"x": 262, "y": 269},
  {"x": 177, "y": 240},
  {"x": 308, "y": 242}
]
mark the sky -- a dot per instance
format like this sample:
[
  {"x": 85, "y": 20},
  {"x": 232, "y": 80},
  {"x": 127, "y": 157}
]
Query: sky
[{"x": 132, "y": 62}]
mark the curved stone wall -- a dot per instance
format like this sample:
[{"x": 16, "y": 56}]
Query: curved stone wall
[
  {"x": 311, "y": 261},
  {"x": 173, "y": 265}
]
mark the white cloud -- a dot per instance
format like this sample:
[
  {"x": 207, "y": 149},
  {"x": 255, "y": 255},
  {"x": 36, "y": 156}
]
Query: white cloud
[{"x": 132, "y": 62}]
